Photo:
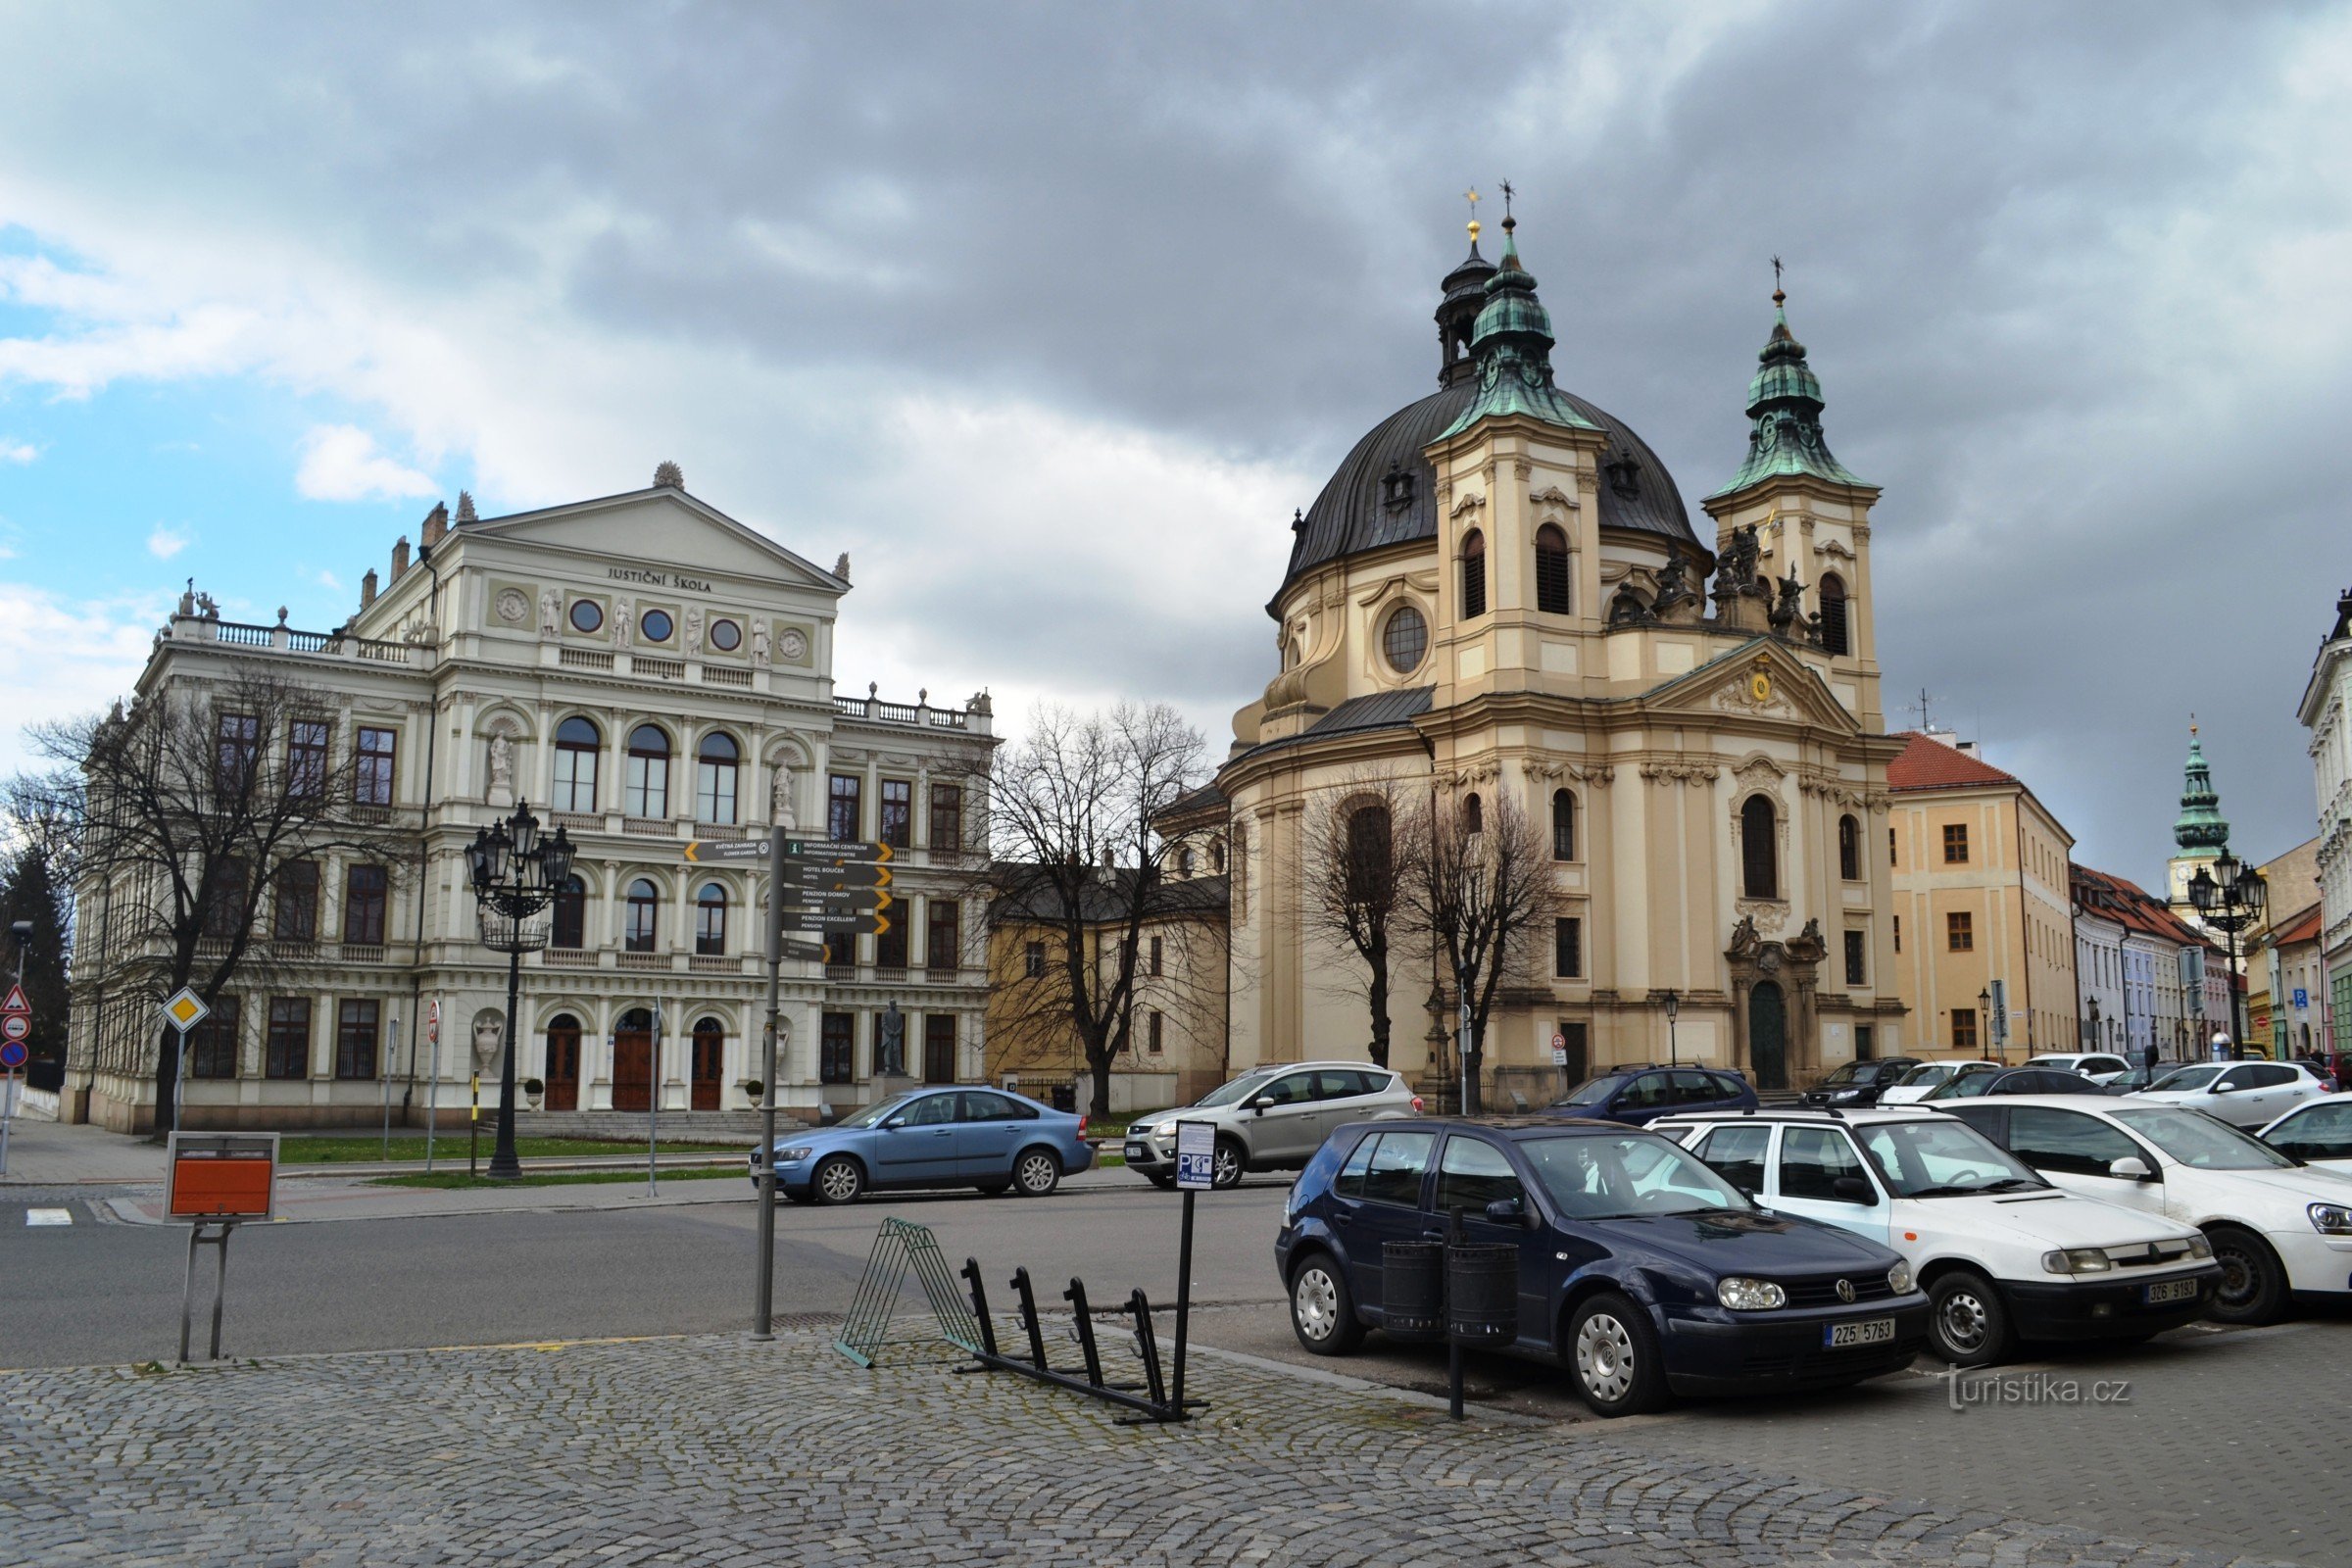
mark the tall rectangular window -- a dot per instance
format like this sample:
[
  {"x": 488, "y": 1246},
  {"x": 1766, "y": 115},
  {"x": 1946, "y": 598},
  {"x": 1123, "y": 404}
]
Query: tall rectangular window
[
  {"x": 943, "y": 940},
  {"x": 938, "y": 1047},
  {"x": 354, "y": 1040},
  {"x": 841, "y": 949},
  {"x": 889, "y": 946},
  {"x": 1853, "y": 957},
  {"x": 1568, "y": 948},
  {"x": 1034, "y": 960},
  {"x": 898, "y": 814},
  {"x": 286, "y": 1052},
  {"x": 297, "y": 918},
  {"x": 1955, "y": 844},
  {"x": 842, "y": 813},
  {"x": 306, "y": 759},
  {"x": 1960, "y": 932},
  {"x": 225, "y": 902},
  {"x": 1964, "y": 1028},
  {"x": 837, "y": 1049},
  {"x": 1159, "y": 955},
  {"x": 1890, "y": 845},
  {"x": 946, "y": 817},
  {"x": 240, "y": 748},
  {"x": 363, "y": 898},
  {"x": 213, "y": 1043},
  {"x": 1898, "y": 933},
  {"x": 1157, "y": 1039},
  {"x": 371, "y": 774}
]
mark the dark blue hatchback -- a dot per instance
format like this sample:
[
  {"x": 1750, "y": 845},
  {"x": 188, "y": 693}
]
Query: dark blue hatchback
[
  {"x": 1635, "y": 1096},
  {"x": 1641, "y": 1270}
]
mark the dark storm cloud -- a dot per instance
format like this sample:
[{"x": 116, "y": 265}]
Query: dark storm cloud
[{"x": 2067, "y": 273}]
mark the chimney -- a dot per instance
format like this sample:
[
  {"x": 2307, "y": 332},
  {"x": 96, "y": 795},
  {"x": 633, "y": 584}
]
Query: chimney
[
  {"x": 1966, "y": 747},
  {"x": 436, "y": 524},
  {"x": 400, "y": 557},
  {"x": 367, "y": 589}
]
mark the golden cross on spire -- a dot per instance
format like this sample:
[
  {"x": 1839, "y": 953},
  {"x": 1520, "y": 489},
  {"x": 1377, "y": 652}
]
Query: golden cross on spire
[
  {"x": 1472, "y": 197},
  {"x": 1778, "y": 298}
]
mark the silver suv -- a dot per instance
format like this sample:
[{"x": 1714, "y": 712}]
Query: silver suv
[{"x": 1274, "y": 1118}]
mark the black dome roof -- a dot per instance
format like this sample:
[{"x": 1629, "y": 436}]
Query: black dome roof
[{"x": 1359, "y": 511}]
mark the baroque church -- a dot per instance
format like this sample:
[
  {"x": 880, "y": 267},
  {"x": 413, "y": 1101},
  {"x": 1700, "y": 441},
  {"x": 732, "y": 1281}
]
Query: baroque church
[{"x": 1501, "y": 592}]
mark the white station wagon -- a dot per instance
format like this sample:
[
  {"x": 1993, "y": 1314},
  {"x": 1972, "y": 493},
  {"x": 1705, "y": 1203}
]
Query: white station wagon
[{"x": 2002, "y": 1253}]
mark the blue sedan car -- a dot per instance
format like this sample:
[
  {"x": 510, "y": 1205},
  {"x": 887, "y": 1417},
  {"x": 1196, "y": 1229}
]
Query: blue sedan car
[
  {"x": 1641, "y": 1270},
  {"x": 979, "y": 1138},
  {"x": 1637, "y": 1094}
]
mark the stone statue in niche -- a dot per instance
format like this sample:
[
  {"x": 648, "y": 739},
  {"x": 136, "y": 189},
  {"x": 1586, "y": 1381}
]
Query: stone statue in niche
[
  {"x": 624, "y": 623},
  {"x": 779, "y": 797},
  {"x": 489, "y": 1029},
  {"x": 501, "y": 769},
  {"x": 694, "y": 630},
  {"x": 891, "y": 1043},
  {"x": 759, "y": 645},
  {"x": 550, "y": 606}
]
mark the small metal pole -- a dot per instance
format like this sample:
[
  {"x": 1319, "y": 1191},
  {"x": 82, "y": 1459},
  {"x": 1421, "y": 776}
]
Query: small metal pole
[
  {"x": 432, "y": 1099},
  {"x": 11, "y": 1089},
  {"x": 180, "y": 1085},
  {"x": 1036, "y": 1336},
  {"x": 1076, "y": 1296},
  {"x": 386, "y": 1077},
  {"x": 988, "y": 1327},
  {"x": 187, "y": 1293},
  {"x": 474, "y": 1128},
  {"x": 220, "y": 1285},
  {"x": 1184, "y": 1299},
  {"x": 1148, "y": 1345},
  {"x": 763, "y": 1289},
  {"x": 653, "y": 1116}
]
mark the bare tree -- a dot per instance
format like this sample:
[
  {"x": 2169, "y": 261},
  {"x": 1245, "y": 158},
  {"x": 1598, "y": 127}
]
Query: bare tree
[
  {"x": 1075, "y": 818},
  {"x": 1356, "y": 867},
  {"x": 1481, "y": 886},
  {"x": 195, "y": 816}
]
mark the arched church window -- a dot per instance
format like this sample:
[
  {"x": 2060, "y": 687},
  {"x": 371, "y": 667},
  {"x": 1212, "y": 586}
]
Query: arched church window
[
  {"x": 1551, "y": 571},
  {"x": 1832, "y": 613},
  {"x": 1850, "y": 849},
  {"x": 1369, "y": 868},
  {"x": 1474, "y": 576},
  {"x": 1474, "y": 815},
  {"x": 1216, "y": 856},
  {"x": 1563, "y": 825},
  {"x": 1760, "y": 857},
  {"x": 1403, "y": 639},
  {"x": 1183, "y": 861}
]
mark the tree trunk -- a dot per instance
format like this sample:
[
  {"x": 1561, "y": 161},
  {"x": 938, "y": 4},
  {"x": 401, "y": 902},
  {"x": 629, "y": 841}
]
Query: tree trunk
[
  {"x": 1379, "y": 998},
  {"x": 166, "y": 1082},
  {"x": 1098, "y": 1061}
]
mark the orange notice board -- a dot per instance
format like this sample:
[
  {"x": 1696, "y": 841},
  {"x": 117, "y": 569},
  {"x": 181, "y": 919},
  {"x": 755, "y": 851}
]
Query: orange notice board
[{"x": 222, "y": 1176}]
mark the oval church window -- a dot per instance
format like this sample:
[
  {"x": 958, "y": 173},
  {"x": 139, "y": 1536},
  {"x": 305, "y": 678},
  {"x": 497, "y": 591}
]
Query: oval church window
[{"x": 1404, "y": 639}]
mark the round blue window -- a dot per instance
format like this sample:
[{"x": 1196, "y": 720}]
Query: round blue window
[
  {"x": 586, "y": 615},
  {"x": 725, "y": 636},
  {"x": 656, "y": 626}
]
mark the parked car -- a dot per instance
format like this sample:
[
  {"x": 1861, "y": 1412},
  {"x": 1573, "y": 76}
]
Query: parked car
[
  {"x": 2003, "y": 1254},
  {"x": 2138, "y": 1078},
  {"x": 2010, "y": 1081},
  {"x": 1925, "y": 1079},
  {"x": 2096, "y": 1065},
  {"x": 2318, "y": 1132},
  {"x": 1633, "y": 1096},
  {"x": 1860, "y": 1083},
  {"x": 2277, "y": 1226},
  {"x": 987, "y": 1138},
  {"x": 1640, "y": 1271},
  {"x": 2245, "y": 1093},
  {"x": 1274, "y": 1118}
]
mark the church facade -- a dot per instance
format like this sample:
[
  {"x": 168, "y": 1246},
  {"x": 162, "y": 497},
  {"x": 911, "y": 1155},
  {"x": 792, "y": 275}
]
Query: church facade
[{"x": 1501, "y": 593}]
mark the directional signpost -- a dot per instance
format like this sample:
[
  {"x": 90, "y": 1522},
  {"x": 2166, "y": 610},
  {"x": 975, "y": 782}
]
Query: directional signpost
[{"x": 16, "y": 1028}]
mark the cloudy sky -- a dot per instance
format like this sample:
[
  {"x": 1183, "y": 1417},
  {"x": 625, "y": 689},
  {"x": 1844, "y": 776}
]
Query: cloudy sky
[{"x": 1050, "y": 316}]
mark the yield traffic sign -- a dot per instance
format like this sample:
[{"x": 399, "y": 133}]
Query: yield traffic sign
[{"x": 185, "y": 1009}]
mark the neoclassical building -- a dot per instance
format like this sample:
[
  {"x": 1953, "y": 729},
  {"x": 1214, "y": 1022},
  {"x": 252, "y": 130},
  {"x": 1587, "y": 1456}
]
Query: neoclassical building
[
  {"x": 644, "y": 671},
  {"x": 1501, "y": 592}
]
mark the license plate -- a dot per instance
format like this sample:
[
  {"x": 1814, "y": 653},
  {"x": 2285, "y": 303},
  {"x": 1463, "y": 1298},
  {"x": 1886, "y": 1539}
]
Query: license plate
[
  {"x": 1139, "y": 1151},
  {"x": 2172, "y": 1291},
  {"x": 1870, "y": 1331}
]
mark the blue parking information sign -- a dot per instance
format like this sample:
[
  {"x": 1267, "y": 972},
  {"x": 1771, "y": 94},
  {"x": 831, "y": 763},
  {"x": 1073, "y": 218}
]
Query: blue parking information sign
[{"x": 1195, "y": 1156}]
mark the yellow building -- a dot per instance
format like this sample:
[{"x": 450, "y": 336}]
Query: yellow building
[
  {"x": 1500, "y": 595},
  {"x": 1983, "y": 919}
]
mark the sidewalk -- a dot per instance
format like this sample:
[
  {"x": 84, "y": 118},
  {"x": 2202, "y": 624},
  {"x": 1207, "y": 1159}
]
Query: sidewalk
[{"x": 48, "y": 1154}]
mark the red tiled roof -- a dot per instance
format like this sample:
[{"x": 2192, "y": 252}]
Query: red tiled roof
[
  {"x": 2132, "y": 905},
  {"x": 2304, "y": 929},
  {"x": 1926, "y": 763}
]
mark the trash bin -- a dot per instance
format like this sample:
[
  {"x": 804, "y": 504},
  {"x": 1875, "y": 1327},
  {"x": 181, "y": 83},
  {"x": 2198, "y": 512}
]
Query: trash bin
[
  {"x": 1412, "y": 1290},
  {"x": 1482, "y": 1293},
  {"x": 1065, "y": 1096}
]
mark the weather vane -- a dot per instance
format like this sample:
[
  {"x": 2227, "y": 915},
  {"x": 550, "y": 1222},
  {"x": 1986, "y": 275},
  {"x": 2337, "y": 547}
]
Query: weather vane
[
  {"x": 1776, "y": 296},
  {"x": 1507, "y": 193}
]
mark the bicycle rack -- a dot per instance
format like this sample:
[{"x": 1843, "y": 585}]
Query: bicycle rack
[{"x": 1151, "y": 1400}]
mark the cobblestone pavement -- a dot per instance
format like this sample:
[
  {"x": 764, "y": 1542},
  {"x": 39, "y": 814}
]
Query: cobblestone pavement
[{"x": 715, "y": 1450}]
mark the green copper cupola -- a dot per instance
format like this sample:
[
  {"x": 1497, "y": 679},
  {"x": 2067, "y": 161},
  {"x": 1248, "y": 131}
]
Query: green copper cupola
[
  {"x": 1783, "y": 406},
  {"x": 1511, "y": 348},
  {"x": 2199, "y": 829}
]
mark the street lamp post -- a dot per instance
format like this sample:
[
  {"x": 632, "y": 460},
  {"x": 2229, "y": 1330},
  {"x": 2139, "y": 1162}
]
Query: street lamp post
[
  {"x": 516, "y": 875},
  {"x": 2230, "y": 897},
  {"x": 2097, "y": 1041},
  {"x": 1674, "y": 1004},
  {"x": 1985, "y": 1023}
]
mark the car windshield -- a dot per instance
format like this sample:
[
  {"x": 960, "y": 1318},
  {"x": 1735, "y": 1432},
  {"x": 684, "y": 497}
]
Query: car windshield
[
  {"x": 1233, "y": 1093},
  {"x": 873, "y": 1115},
  {"x": 1634, "y": 1176},
  {"x": 1848, "y": 1073},
  {"x": 1925, "y": 1073},
  {"x": 2189, "y": 1078},
  {"x": 1942, "y": 1158},
  {"x": 1592, "y": 1091},
  {"x": 2197, "y": 1139},
  {"x": 1967, "y": 1083}
]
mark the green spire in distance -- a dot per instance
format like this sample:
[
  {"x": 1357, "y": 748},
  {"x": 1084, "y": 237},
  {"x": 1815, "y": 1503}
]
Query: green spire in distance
[
  {"x": 2199, "y": 829},
  {"x": 1511, "y": 345},
  {"x": 1784, "y": 403}
]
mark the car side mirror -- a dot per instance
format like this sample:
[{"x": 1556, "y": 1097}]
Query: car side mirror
[
  {"x": 1258, "y": 1106},
  {"x": 1507, "y": 1211},
  {"x": 2131, "y": 1168},
  {"x": 2225, "y": 1089},
  {"x": 894, "y": 1124},
  {"x": 1853, "y": 1189}
]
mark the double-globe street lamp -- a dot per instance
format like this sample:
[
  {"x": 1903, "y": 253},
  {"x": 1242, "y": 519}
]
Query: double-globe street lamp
[
  {"x": 515, "y": 874},
  {"x": 2230, "y": 897}
]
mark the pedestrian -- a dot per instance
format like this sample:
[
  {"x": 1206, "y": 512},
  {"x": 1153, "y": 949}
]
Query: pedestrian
[{"x": 2148, "y": 1058}]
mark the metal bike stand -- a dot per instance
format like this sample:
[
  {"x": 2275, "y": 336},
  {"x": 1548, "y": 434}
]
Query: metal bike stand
[{"x": 187, "y": 1291}]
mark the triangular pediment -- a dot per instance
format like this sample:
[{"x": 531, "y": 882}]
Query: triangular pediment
[
  {"x": 1758, "y": 679},
  {"x": 662, "y": 527}
]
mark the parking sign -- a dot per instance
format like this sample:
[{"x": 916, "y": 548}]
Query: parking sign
[{"x": 1195, "y": 1156}]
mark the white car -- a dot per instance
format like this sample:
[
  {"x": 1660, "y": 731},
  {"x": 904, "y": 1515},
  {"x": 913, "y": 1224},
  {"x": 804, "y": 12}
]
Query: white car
[
  {"x": 2096, "y": 1065},
  {"x": 2002, "y": 1253},
  {"x": 2243, "y": 1094},
  {"x": 2318, "y": 1132},
  {"x": 1273, "y": 1119},
  {"x": 2276, "y": 1226},
  {"x": 1925, "y": 1079}
]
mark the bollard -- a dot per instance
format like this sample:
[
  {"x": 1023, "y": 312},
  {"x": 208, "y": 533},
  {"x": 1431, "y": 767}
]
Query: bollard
[{"x": 1482, "y": 1304}]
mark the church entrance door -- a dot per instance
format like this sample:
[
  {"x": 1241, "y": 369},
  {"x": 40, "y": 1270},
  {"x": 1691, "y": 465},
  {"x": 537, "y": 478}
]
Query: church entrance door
[
  {"x": 633, "y": 1061},
  {"x": 710, "y": 1056},
  {"x": 561, "y": 1075},
  {"x": 1768, "y": 1035}
]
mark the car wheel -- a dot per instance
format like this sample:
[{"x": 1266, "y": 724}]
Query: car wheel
[
  {"x": 837, "y": 1181},
  {"x": 1613, "y": 1355},
  {"x": 2252, "y": 1286},
  {"x": 1229, "y": 1163},
  {"x": 1161, "y": 1180},
  {"x": 1967, "y": 1319},
  {"x": 1321, "y": 1314},
  {"x": 1037, "y": 1172}
]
